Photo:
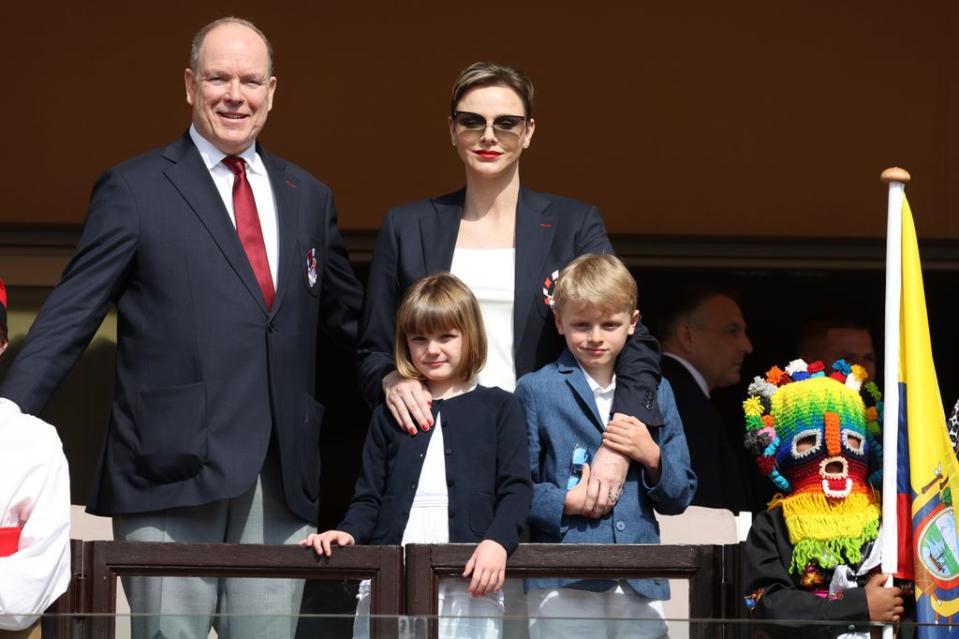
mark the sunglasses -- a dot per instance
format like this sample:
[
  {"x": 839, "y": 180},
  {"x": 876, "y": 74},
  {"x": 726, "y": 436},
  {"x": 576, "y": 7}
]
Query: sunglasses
[{"x": 473, "y": 125}]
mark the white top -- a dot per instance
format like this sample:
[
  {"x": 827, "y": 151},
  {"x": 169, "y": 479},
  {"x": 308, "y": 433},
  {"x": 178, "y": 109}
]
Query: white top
[
  {"x": 490, "y": 274},
  {"x": 259, "y": 181},
  {"x": 34, "y": 496},
  {"x": 602, "y": 395},
  {"x": 429, "y": 521},
  {"x": 700, "y": 380}
]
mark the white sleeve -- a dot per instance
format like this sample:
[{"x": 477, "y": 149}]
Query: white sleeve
[{"x": 33, "y": 577}]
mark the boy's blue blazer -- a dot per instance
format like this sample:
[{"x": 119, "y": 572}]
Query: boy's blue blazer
[{"x": 561, "y": 413}]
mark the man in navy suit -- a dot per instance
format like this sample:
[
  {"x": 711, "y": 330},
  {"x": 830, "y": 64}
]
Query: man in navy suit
[{"x": 222, "y": 261}]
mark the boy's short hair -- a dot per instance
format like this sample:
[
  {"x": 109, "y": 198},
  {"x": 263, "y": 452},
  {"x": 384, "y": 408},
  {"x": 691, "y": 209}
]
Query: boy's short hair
[
  {"x": 434, "y": 304},
  {"x": 596, "y": 280}
]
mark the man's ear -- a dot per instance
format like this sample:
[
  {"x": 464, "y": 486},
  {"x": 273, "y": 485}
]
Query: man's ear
[{"x": 684, "y": 333}]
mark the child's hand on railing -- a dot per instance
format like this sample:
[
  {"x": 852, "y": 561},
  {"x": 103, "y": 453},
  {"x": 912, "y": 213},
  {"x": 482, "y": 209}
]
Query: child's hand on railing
[
  {"x": 323, "y": 542},
  {"x": 488, "y": 567}
]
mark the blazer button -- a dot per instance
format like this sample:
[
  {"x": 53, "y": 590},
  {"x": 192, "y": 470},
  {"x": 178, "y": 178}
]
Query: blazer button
[
  {"x": 449, "y": 451},
  {"x": 421, "y": 455},
  {"x": 271, "y": 328},
  {"x": 449, "y": 483},
  {"x": 452, "y": 514},
  {"x": 620, "y": 525}
]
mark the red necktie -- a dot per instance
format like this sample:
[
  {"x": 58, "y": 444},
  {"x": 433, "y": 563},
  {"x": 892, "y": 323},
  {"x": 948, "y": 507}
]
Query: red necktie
[{"x": 248, "y": 227}]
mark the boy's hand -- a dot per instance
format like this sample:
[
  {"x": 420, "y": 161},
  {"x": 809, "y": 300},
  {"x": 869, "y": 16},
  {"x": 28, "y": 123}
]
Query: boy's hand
[
  {"x": 606, "y": 484},
  {"x": 488, "y": 566},
  {"x": 629, "y": 436},
  {"x": 885, "y": 604},
  {"x": 409, "y": 401},
  {"x": 576, "y": 496},
  {"x": 323, "y": 542}
]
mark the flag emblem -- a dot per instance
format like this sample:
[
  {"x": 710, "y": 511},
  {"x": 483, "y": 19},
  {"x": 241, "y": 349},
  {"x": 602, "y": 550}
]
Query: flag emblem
[{"x": 311, "y": 267}]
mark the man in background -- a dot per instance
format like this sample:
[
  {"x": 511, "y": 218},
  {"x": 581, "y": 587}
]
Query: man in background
[
  {"x": 704, "y": 343},
  {"x": 835, "y": 338}
]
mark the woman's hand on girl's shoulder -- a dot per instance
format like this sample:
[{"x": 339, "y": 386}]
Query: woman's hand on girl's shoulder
[
  {"x": 488, "y": 567},
  {"x": 323, "y": 542},
  {"x": 408, "y": 400}
]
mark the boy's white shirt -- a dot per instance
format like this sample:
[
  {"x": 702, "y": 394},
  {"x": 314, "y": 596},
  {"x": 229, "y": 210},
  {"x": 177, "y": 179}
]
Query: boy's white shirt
[{"x": 602, "y": 395}]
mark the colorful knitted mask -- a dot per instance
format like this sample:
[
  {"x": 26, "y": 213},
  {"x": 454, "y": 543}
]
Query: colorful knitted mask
[
  {"x": 815, "y": 436},
  {"x": 811, "y": 432}
]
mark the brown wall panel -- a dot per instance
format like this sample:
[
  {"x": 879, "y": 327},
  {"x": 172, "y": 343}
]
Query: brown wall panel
[{"x": 733, "y": 118}]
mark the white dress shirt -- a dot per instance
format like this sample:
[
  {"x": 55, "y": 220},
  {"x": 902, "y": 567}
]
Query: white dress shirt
[
  {"x": 259, "y": 181},
  {"x": 35, "y": 497},
  {"x": 603, "y": 395}
]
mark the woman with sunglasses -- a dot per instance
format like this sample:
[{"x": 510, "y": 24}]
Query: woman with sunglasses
[{"x": 507, "y": 243}]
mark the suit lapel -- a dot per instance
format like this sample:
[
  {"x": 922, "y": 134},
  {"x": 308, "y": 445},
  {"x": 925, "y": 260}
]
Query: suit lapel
[
  {"x": 286, "y": 194},
  {"x": 567, "y": 365},
  {"x": 438, "y": 232},
  {"x": 192, "y": 179},
  {"x": 535, "y": 228}
]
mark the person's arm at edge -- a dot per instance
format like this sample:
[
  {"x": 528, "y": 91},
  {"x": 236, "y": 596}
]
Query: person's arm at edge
[{"x": 375, "y": 349}]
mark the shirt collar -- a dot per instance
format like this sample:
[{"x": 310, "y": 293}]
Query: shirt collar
[
  {"x": 594, "y": 385},
  {"x": 213, "y": 156},
  {"x": 700, "y": 380}
]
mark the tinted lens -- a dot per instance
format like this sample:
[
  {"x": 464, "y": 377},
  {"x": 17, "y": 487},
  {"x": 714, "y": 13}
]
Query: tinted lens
[
  {"x": 508, "y": 124},
  {"x": 470, "y": 121}
]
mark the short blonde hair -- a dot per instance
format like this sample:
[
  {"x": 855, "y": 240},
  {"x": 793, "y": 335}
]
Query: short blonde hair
[
  {"x": 596, "y": 280},
  {"x": 434, "y": 304},
  {"x": 490, "y": 74}
]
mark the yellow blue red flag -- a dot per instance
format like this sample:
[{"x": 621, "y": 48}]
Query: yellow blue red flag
[{"x": 927, "y": 469}]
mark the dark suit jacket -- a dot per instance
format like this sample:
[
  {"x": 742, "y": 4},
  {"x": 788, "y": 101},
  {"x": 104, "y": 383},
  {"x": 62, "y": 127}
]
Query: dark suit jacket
[
  {"x": 204, "y": 372},
  {"x": 418, "y": 239},
  {"x": 716, "y": 464},
  {"x": 487, "y": 472}
]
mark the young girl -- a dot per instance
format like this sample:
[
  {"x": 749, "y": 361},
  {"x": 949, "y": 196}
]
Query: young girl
[{"x": 465, "y": 480}]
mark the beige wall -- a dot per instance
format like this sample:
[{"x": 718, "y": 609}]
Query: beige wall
[{"x": 741, "y": 118}]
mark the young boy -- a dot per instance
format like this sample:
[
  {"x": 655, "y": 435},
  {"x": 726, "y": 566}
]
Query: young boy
[
  {"x": 34, "y": 512},
  {"x": 568, "y": 405}
]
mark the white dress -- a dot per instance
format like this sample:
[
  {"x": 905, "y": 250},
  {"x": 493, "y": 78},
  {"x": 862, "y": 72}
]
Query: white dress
[
  {"x": 490, "y": 274},
  {"x": 460, "y": 614},
  {"x": 35, "y": 497}
]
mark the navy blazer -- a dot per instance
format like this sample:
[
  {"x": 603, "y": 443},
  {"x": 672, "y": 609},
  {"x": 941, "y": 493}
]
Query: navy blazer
[
  {"x": 487, "y": 472},
  {"x": 418, "y": 239},
  {"x": 205, "y": 373},
  {"x": 561, "y": 413}
]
